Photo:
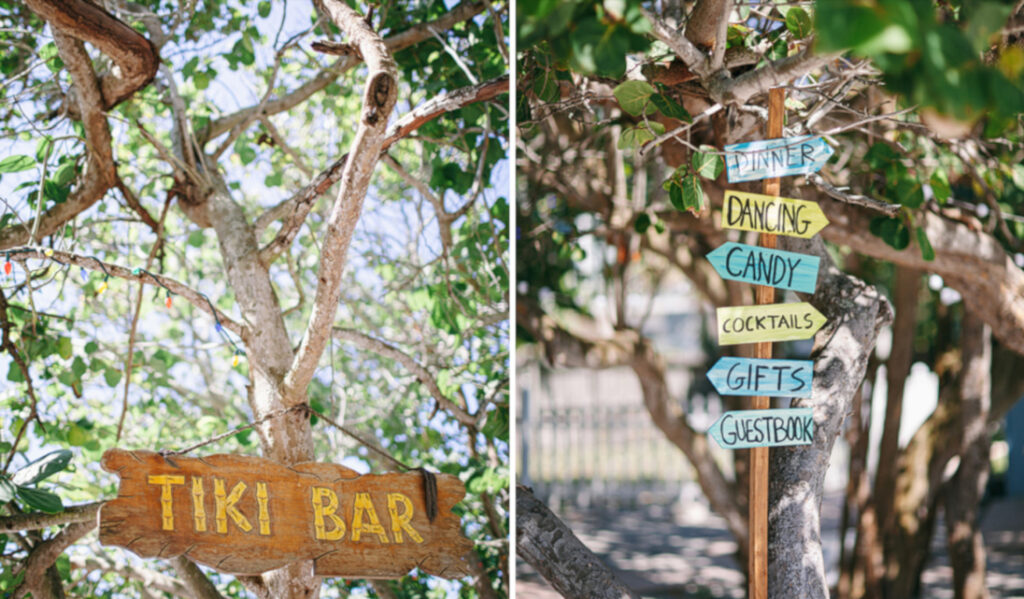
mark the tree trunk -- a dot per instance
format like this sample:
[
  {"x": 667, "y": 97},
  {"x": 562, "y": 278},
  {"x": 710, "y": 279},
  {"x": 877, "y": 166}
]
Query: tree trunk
[
  {"x": 963, "y": 493},
  {"x": 547, "y": 544},
  {"x": 856, "y": 312}
]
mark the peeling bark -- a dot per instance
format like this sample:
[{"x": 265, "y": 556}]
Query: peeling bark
[{"x": 856, "y": 312}]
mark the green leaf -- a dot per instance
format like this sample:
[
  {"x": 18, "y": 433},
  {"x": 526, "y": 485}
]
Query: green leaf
[
  {"x": 642, "y": 223},
  {"x": 38, "y": 499},
  {"x": 7, "y": 490},
  {"x": 17, "y": 163},
  {"x": 693, "y": 194},
  {"x": 940, "y": 186},
  {"x": 670, "y": 108},
  {"x": 64, "y": 347},
  {"x": 497, "y": 424},
  {"x": 65, "y": 173},
  {"x": 112, "y": 377},
  {"x": 634, "y": 96},
  {"x": 639, "y": 135},
  {"x": 707, "y": 165},
  {"x": 927, "y": 252},
  {"x": 263, "y": 8},
  {"x": 196, "y": 238},
  {"x": 890, "y": 230},
  {"x": 44, "y": 467},
  {"x": 910, "y": 193},
  {"x": 14, "y": 373},
  {"x": 798, "y": 23}
]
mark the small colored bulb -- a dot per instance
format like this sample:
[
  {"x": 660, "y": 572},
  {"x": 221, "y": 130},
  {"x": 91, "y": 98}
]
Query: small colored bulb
[
  {"x": 234, "y": 360},
  {"x": 136, "y": 271},
  {"x": 48, "y": 252},
  {"x": 102, "y": 287},
  {"x": 168, "y": 301},
  {"x": 7, "y": 267},
  {"x": 219, "y": 327},
  {"x": 85, "y": 275}
]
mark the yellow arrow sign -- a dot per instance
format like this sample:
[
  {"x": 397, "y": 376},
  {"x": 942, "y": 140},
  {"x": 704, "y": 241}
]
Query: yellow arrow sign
[
  {"x": 772, "y": 322},
  {"x": 768, "y": 214}
]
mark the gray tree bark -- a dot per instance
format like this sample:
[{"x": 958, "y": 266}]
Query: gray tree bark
[
  {"x": 547, "y": 544},
  {"x": 855, "y": 312}
]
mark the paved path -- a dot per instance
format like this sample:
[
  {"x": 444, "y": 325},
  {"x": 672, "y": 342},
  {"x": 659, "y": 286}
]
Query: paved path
[{"x": 688, "y": 554}]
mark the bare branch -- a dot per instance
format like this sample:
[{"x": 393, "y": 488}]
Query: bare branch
[
  {"x": 394, "y": 43},
  {"x": 136, "y": 58},
  {"x": 151, "y": 579},
  {"x": 695, "y": 60},
  {"x": 298, "y": 206},
  {"x": 422, "y": 374},
  {"x": 46, "y": 553},
  {"x": 547, "y": 544},
  {"x": 21, "y": 254},
  {"x": 39, "y": 521},
  {"x": 972, "y": 262},
  {"x": 378, "y": 102},
  {"x": 852, "y": 198},
  {"x": 759, "y": 81},
  {"x": 99, "y": 174},
  {"x": 194, "y": 579}
]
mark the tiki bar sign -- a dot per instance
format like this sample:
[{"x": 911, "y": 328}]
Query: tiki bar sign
[{"x": 247, "y": 515}]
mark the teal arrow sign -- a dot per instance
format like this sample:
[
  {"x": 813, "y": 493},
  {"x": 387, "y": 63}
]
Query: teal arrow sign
[
  {"x": 743, "y": 429},
  {"x": 776, "y": 158},
  {"x": 752, "y": 376},
  {"x": 761, "y": 266}
]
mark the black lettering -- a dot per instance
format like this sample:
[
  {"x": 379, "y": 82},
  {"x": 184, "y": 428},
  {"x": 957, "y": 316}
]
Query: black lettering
[
  {"x": 799, "y": 382},
  {"x": 793, "y": 264},
  {"x": 728, "y": 260},
  {"x": 758, "y": 375},
  {"x": 808, "y": 428},
  {"x": 779, "y": 426},
  {"x": 728, "y": 434},
  {"x": 729, "y": 379},
  {"x": 806, "y": 149}
]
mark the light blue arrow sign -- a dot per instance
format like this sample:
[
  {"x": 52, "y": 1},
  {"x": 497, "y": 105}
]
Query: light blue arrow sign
[
  {"x": 764, "y": 428},
  {"x": 761, "y": 266},
  {"x": 754, "y": 376},
  {"x": 776, "y": 158}
]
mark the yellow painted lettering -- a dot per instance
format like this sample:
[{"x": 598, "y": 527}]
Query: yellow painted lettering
[
  {"x": 264, "y": 515},
  {"x": 363, "y": 505},
  {"x": 225, "y": 506},
  {"x": 320, "y": 511},
  {"x": 198, "y": 508},
  {"x": 400, "y": 522},
  {"x": 166, "y": 503}
]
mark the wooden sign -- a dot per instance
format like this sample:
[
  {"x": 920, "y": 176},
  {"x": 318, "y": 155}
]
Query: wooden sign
[
  {"x": 744, "y": 429},
  {"x": 772, "y": 215},
  {"x": 247, "y": 515},
  {"x": 771, "y": 378},
  {"x": 776, "y": 268},
  {"x": 770, "y": 158},
  {"x": 771, "y": 322}
]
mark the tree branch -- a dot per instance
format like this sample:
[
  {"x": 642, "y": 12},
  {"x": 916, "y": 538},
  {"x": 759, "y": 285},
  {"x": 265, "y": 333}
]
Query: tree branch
[
  {"x": 193, "y": 578},
  {"x": 136, "y": 58},
  {"x": 774, "y": 74},
  {"x": 972, "y": 262},
  {"x": 695, "y": 60},
  {"x": 99, "y": 174},
  {"x": 150, "y": 579},
  {"x": 422, "y": 374},
  {"x": 394, "y": 43},
  {"x": 297, "y": 207},
  {"x": 190, "y": 295},
  {"x": 547, "y": 544},
  {"x": 378, "y": 102},
  {"x": 39, "y": 521},
  {"x": 46, "y": 553}
]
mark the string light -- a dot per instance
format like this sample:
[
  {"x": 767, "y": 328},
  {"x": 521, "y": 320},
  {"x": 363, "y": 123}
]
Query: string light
[{"x": 237, "y": 352}]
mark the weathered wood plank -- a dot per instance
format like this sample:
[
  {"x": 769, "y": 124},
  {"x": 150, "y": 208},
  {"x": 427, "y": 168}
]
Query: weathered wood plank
[
  {"x": 761, "y": 266},
  {"x": 770, "y": 378},
  {"x": 744, "y": 429},
  {"x": 247, "y": 515},
  {"x": 780, "y": 157},
  {"x": 772, "y": 322},
  {"x": 771, "y": 215}
]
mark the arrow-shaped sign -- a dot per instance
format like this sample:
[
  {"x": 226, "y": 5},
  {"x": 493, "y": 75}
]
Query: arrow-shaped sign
[
  {"x": 752, "y": 376},
  {"x": 776, "y": 158},
  {"x": 771, "y": 322},
  {"x": 761, "y": 266},
  {"x": 764, "y": 428},
  {"x": 769, "y": 214}
]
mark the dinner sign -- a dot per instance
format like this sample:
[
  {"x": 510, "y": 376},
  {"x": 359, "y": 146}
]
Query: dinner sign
[{"x": 247, "y": 515}]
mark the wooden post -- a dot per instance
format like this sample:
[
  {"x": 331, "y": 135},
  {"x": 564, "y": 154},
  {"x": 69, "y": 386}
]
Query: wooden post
[{"x": 758, "y": 520}]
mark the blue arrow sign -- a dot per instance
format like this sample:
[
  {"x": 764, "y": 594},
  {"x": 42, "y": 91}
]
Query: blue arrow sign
[
  {"x": 776, "y": 158},
  {"x": 761, "y": 266},
  {"x": 764, "y": 428},
  {"x": 753, "y": 376}
]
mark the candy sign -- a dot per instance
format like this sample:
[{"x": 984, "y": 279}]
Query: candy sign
[{"x": 752, "y": 264}]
